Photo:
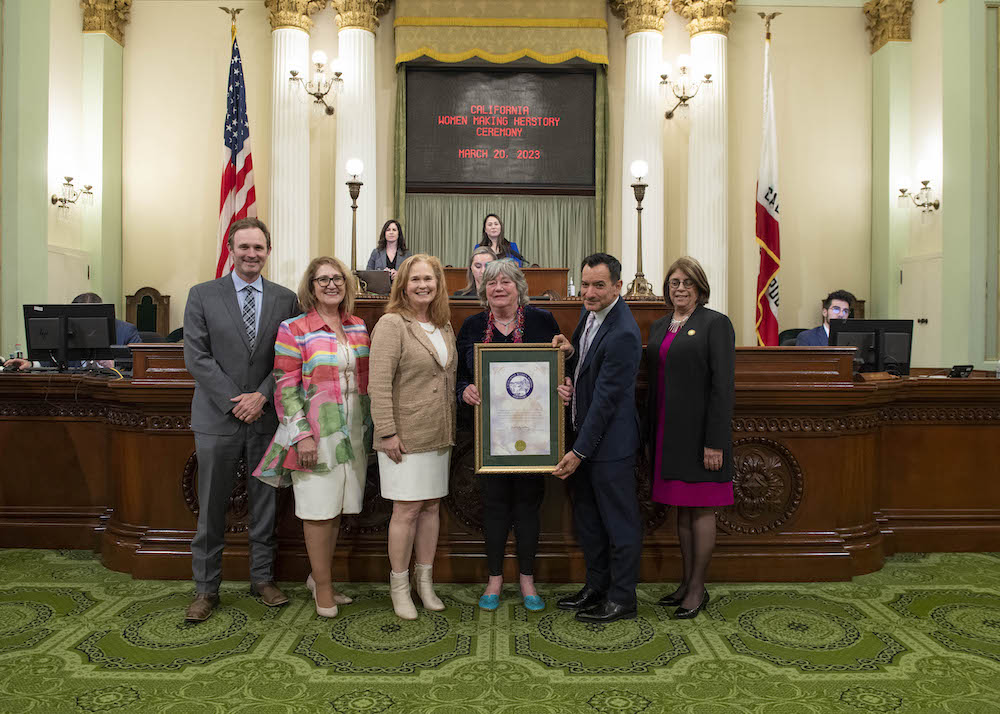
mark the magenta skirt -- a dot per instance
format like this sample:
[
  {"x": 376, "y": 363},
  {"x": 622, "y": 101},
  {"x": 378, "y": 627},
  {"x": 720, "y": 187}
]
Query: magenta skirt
[{"x": 682, "y": 493}]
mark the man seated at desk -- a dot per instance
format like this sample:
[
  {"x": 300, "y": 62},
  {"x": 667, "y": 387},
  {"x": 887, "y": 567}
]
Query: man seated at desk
[
  {"x": 836, "y": 306},
  {"x": 125, "y": 334}
]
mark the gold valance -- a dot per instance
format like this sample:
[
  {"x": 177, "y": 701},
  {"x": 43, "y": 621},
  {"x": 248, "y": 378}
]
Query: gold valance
[{"x": 458, "y": 30}]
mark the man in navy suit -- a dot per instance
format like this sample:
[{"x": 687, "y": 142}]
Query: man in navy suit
[
  {"x": 600, "y": 467},
  {"x": 836, "y": 306}
]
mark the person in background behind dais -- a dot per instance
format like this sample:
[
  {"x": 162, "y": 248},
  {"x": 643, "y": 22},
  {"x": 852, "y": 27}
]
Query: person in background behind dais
[
  {"x": 477, "y": 263},
  {"x": 494, "y": 238},
  {"x": 690, "y": 360},
  {"x": 324, "y": 432},
  {"x": 508, "y": 499},
  {"x": 390, "y": 251},
  {"x": 412, "y": 389},
  {"x": 836, "y": 306}
]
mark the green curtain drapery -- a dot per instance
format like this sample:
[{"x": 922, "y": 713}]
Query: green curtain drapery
[
  {"x": 399, "y": 160},
  {"x": 553, "y": 231}
]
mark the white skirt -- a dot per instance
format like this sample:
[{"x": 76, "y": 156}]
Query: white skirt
[{"x": 418, "y": 477}]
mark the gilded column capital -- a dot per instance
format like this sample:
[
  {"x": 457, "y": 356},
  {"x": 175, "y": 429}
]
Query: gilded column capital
[
  {"x": 888, "y": 21},
  {"x": 640, "y": 15},
  {"x": 107, "y": 16},
  {"x": 293, "y": 13},
  {"x": 705, "y": 15},
  {"x": 363, "y": 14}
]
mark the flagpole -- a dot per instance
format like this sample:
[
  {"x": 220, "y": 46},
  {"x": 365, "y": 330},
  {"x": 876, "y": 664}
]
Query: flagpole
[{"x": 232, "y": 12}]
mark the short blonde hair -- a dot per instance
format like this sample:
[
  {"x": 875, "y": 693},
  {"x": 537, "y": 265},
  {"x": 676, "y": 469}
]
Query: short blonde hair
[
  {"x": 439, "y": 312},
  {"x": 307, "y": 296},
  {"x": 504, "y": 266},
  {"x": 692, "y": 268}
]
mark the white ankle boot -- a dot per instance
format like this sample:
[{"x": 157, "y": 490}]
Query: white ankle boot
[
  {"x": 424, "y": 586},
  {"x": 399, "y": 591}
]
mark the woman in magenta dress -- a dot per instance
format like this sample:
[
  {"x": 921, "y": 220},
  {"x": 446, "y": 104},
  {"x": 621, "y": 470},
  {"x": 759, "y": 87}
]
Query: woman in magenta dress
[{"x": 690, "y": 360}]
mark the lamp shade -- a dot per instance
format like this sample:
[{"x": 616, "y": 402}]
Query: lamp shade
[
  {"x": 319, "y": 57},
  {"x": 354, "y": 167},
  {"x": 638, "y": 169}
]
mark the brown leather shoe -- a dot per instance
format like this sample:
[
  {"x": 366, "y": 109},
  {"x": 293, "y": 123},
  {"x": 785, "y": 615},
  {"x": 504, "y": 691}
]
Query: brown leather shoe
[
  {"x": 268, "y": 593},
  {"x": 201, "y": 607}
]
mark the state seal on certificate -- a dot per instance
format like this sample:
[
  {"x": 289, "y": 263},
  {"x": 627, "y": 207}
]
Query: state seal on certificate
[{"x": 520, "y": 424}]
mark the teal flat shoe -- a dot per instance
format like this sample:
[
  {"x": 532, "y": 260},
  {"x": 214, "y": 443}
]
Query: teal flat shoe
[
  {"x": 489, "y": 602},
  {"x": 533, "y": 603}
]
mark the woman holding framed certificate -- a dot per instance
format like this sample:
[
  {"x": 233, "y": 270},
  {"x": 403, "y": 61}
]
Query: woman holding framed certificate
[
  {"x": 690, "y": 360},
  {"x": 508, "y": 499},
  {"x": 411, "y": 386}
]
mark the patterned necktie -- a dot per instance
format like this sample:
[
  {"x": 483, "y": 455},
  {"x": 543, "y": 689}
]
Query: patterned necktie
[
  {"x": 250, "y": 315},
  {"x": 584, "y": 346}
]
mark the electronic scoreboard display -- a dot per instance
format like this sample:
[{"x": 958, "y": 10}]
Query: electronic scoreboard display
[{"x": 499, "y": 130}]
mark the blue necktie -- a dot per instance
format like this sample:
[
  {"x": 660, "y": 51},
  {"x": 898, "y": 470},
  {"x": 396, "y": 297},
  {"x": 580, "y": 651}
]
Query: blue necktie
[{"x": 250, "y": 315}]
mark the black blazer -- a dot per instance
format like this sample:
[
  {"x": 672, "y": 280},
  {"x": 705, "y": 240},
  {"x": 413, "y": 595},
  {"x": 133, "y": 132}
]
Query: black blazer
[
  {"x": 607, "y": 427},
  {"x": 700, "y": 388}
]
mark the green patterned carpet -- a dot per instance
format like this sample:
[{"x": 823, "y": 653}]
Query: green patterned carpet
[{"x": 922, "y": 635}]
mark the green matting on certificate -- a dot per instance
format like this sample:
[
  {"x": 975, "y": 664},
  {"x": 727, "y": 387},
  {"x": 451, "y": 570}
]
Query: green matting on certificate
[{"x": 517, "y": 388}]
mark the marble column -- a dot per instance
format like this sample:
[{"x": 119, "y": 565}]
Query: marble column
[
  {"x": 708, "y": 144},
  {"x": 889, "y": 26},
  {"x": 288, "y": 206},
  {"x": 104, "y": 24},
  {"x": 357, "y": 21},
  {"x": 643, "y": 136}
]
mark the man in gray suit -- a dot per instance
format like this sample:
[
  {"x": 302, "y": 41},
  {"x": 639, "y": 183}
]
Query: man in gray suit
[{"x": 230, "y": 325}]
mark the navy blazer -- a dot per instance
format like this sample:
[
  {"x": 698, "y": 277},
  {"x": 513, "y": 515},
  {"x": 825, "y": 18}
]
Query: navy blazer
[
  {"x": 378, "y": 260},
  {"x": 607, "y": 426},
  {"x": 816, "y": 337}
]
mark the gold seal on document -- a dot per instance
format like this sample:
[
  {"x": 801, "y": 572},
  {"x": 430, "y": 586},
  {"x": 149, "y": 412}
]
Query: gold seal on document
[
  {"x": 520, "y": 445},
  {"x": 690, "y": 333}
]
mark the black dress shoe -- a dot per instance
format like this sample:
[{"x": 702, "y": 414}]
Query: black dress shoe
[
  {"x": 683, "y": 614},
  {"x": 607, "y": 611},
  {"x": 672, "y": 600},
  {"x": 587, "y": 597}
]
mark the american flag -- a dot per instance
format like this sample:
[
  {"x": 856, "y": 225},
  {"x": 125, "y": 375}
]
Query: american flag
[{"x": 237, "y": 198}]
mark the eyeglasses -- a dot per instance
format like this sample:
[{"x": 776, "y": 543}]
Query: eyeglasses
[
  {"x": 325, "y": 280},
  {"x": 675, "y": 283}
]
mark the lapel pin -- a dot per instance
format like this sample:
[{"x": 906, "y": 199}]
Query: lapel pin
[{"x": 690, "y": 333}]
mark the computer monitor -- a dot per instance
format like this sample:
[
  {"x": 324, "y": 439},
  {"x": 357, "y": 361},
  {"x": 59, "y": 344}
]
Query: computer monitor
[
  {"x": 63, "y": 333},
  {"x": 883, "y": 345}
]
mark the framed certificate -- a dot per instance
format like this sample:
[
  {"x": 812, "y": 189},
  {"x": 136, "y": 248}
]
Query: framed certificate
[{"x": 520, "y": 424}]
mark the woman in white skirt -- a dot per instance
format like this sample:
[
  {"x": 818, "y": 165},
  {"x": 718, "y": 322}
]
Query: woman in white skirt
[
  {"x": 413, "y": 363},
  {"x": 324, "y": 433}
]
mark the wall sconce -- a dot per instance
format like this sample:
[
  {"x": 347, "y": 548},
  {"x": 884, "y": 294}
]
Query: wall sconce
[
  {"x": 321, "y": 84},
  {"x": 70, "y": 195},
  {"x": 684, "y": 88},
  {"x": 924, "y": 199},
  {"x": 639, "y": 288}
]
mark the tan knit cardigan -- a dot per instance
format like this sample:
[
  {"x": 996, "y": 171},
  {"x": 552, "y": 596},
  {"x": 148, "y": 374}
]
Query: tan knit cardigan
[{"x": 412, "y": 395}]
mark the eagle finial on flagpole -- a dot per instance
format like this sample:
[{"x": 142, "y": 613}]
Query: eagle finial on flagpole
[
  {"x": 767, "y": 22},
  {"x": 233, "y": 12}
]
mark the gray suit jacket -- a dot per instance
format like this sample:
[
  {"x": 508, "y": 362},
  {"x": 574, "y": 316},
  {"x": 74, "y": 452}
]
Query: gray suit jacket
[
  {"x": 217, "y": 353},
  {"x": 378, "y": 260}
]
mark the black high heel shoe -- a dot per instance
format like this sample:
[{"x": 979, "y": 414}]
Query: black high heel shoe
[
  {"x": 672, "y": 600},
  {"x": 682, "y": 614}
]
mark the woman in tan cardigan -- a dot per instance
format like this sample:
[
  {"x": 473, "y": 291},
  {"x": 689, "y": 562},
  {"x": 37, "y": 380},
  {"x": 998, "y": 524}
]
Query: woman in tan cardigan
[{"x": 412, "y": 385}]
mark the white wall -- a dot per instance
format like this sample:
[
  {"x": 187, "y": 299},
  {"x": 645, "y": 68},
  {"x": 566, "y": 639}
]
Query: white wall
[{"x": 66, "y": 149}]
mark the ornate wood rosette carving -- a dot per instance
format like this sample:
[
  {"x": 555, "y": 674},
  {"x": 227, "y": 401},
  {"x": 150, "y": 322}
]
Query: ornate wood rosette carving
[
  {"x": 943, "y": 415},
  {"x": 375, "y": 510},
  {"x": 363, "y": 14},
  {"x": 705, "y": 15},
  {"x": 237, "y": 512},
  {"x": 888, "y": 21},
  {"x": 107, "y": 16},
  {"x": 640, "y": 15},
  {"x": 293, "y": 13},
  {"x": 767, "y": 483}
]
